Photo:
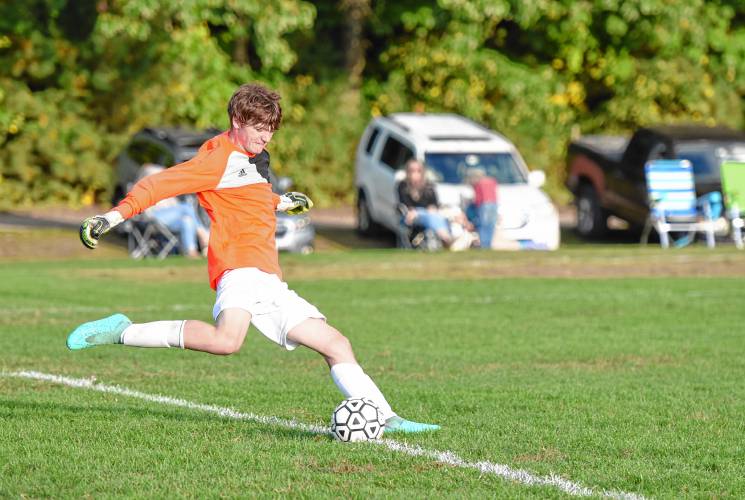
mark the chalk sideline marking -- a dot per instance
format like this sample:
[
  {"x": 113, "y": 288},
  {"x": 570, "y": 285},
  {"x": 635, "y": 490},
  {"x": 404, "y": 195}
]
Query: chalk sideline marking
[{"x": 445, "y": 457}]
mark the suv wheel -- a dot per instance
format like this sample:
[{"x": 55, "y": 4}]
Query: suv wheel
[
  {"x": 366, "y": 226},
  {"x": 592, "y": 220}
]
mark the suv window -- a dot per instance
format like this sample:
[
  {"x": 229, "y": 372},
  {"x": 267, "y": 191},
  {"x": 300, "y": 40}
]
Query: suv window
[
  {"x": 371, "y": 141},
  {"x": 451, "y": 168},
  {"x": 395, "y": 154},
  {"x": 143, "y": 151}
]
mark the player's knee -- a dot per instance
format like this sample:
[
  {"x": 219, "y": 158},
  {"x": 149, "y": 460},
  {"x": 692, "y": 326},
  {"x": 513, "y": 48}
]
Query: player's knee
[
  {"x": 226, "y": 347},
  {"x": 340, "y": 347},
  {"x": 227, "y": 343}
]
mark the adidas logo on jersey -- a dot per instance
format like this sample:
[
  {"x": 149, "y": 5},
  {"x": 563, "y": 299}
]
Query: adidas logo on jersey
[{"x": 242, "y": 173}]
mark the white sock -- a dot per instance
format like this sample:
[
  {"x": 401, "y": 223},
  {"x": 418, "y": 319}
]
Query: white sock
[
  {"x": 354, "y": 383},
  {"x": 155, "y": 334}
]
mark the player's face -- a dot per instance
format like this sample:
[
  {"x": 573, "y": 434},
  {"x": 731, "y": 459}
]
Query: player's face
[{"x": 252, "y": 138}]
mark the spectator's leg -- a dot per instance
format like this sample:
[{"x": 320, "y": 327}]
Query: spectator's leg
[
  {"x": 188, "y": 210},
  {"x": 184, "y": 220},
  {"x": 171, "y": 217},
  {"x": 189, "y": 236},
  {"x": 487, "y": 216},
  {"x": 179, "y": 221},
  {"x": 434, "y": 222}
]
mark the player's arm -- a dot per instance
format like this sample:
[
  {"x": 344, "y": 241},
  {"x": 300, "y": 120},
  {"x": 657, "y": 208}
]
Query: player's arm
[
  {"x": 193, "y": 176},
  {"x": 294, "y": 203}
]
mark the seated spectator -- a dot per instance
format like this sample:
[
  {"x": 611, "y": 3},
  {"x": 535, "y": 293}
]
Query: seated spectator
[
  {"x": 483, "y": 211},
  {"x": 180, "y": 217},
  {"x": 419, "y": 198}
]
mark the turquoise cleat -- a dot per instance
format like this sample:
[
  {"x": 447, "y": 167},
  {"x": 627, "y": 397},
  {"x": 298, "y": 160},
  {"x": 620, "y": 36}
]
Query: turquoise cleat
[
  {"x": 398, "y": 424},
  {"x": 100, "y": 332}
]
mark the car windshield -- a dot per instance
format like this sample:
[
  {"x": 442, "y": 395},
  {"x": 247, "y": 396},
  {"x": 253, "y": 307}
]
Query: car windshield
[{"x": 451, "y": 168}]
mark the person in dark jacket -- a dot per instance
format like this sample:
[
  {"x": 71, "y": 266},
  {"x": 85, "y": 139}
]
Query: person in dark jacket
[{"x": 419, "y": 198}]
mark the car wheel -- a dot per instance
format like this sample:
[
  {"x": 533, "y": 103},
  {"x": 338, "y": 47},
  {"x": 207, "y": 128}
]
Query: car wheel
[
  {"x": 592, "y": 220},
  {"x": 366, "y": 226}
]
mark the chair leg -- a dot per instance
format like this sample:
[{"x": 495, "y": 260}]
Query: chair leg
[
  {"x": 710, "y": 242},
  {"x": 645, "y": 232},
  {"x": 137, "y": 244},
  {"x": 664, "y": 237}
]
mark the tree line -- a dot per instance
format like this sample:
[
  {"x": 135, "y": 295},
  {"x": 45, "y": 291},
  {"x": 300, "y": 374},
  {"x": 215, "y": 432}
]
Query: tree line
[{"x": 79, "y": 77}]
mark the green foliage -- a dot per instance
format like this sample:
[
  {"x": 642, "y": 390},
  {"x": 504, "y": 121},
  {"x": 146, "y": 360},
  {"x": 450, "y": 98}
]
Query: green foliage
[
  {"x": 77, "y": 78},
  {"x": 533, "y": 70},
  {"x": 72, "y": 94},
  {"x": 316, "y": 145}
]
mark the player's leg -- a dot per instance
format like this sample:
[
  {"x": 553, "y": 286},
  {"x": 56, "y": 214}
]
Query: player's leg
[
  {"x": 347, "y": 374},
  {"x": 226, "y": 337}
]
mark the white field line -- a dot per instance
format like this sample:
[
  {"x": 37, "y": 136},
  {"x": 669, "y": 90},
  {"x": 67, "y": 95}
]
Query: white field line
[{"x": 445, "y": 457}]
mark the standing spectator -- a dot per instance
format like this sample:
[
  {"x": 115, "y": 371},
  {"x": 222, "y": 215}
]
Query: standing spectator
[{"x": 483, "y": 210}]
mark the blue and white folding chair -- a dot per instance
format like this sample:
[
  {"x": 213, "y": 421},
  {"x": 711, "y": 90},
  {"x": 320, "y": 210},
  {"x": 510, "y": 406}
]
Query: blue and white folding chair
[{"x": 673, "y": 206}]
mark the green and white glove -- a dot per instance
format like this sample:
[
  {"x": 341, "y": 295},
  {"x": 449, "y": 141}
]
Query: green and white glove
[
  {"x": 294, "y": 203},
  {"x": 94, "y": 227}
]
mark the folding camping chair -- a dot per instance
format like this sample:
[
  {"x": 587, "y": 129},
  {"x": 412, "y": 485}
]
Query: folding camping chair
[
  {"x": 733, "y": 186},
  {"x": 673, "y": 206},
  {"x": 147, "y": 237}
]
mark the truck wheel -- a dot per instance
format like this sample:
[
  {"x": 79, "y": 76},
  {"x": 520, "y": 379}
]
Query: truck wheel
[
  {"x": 366, "y": 226},
  {"x": 592, "y": 220}
]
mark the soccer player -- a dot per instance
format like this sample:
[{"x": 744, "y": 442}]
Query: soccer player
[{"x": 230, "y": 175}]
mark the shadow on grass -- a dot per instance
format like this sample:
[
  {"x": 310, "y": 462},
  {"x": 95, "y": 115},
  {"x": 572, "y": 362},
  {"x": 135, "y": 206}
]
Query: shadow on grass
[
  {"x": 348, "y": 238},
  {"x": 570, "y": 237}
]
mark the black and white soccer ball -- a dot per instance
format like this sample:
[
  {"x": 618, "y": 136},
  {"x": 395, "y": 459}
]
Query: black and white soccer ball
[{"x": 357, "y": 419}]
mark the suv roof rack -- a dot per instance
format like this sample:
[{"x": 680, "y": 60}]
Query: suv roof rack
[{"x": 397, "y": 123}]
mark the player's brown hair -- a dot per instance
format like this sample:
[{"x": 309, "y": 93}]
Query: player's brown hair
[{"x": 254, "y": 104}]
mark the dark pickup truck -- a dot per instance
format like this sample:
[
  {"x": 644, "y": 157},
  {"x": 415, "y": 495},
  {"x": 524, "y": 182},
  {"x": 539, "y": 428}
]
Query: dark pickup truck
[{"x": 606, "y": 173}]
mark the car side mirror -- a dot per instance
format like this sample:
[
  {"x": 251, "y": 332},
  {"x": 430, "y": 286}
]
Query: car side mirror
[
  {"x": 536, "y": 178},
  {"x": 284, "y": 184}
]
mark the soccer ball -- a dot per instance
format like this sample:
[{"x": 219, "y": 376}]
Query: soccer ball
[{"x": 357, "y": 419}]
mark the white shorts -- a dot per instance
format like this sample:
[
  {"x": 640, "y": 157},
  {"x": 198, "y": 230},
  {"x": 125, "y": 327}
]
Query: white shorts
[{"x": 274, "y": 308}]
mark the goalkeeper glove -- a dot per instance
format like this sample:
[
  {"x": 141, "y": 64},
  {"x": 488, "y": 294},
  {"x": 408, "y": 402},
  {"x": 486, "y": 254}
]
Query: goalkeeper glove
[
  {"x": 294, "y": 203},
  {"x": 94, "y": 227}
]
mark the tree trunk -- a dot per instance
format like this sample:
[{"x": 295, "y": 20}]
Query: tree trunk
[{"x": 355, "y": 14}]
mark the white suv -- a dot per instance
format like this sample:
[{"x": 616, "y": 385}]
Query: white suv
[{"x": 448, "y": 145}]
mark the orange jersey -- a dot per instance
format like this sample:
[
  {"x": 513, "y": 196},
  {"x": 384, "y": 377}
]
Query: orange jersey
[{"x": 234, "y": 189}]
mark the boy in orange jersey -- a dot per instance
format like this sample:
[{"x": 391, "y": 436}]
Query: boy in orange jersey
[{"x": 230, "y": 175}]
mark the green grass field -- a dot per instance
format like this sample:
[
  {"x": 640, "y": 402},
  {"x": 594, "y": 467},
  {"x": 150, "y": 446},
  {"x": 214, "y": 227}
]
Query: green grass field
[{"x": 570, "y": 364}]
